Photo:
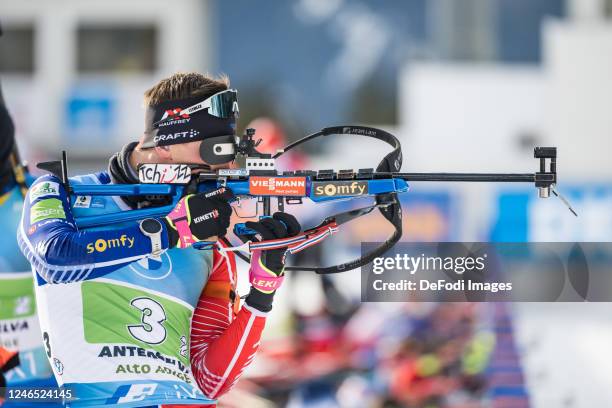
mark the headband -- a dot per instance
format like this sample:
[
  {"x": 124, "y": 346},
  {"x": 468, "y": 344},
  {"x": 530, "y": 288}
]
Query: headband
[{"x": 212, "y": 121}]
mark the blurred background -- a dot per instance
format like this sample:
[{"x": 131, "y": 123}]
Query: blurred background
[{"x": 467, "y": 85}]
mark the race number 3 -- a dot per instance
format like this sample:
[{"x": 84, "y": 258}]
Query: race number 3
[{"x": 151, "y": 331}]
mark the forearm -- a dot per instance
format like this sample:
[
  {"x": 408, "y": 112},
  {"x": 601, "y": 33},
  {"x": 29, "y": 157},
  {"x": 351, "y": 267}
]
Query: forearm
[
  {"x": 221, "y": 347},
  {"x": 63, "y": 254},
  {"x": 60, "y": 252}
]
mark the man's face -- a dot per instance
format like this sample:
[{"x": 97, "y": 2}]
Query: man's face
[{"x": 189, "y": 153}]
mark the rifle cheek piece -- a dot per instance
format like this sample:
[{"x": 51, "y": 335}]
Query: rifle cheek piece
[{"x": 218, "y": 150}]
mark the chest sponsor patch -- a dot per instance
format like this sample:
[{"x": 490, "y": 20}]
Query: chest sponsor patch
[
  {"x": 44, "y": 189},
  {"x": 277, "y": 186},
  {"x": 339, "y": 188}
]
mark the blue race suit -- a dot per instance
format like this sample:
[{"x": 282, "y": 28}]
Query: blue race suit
[
  {"x": 115, "y": 318},
  {"x": 19, "y": 328}
]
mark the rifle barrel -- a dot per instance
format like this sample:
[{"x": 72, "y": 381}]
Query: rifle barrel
[{"x": 468, "y": 177}]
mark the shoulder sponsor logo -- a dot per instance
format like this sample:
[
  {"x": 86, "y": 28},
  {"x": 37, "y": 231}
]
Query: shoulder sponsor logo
[
  {"x": 44, "y": 189},
  {"x": 82, "y": 202},
  {"x": 101, "y": 245},
  {"x": 34, "y": 227},
  {"x": 164, "y": 173},
  {"x": 340, "y": 188},
  {"x": 45, "y": 209},
  {"x": 53, "y": 221},
  {"x": 277, "y": 186}
]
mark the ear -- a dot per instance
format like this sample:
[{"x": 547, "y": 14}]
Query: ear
[{"x": 164, "y": 153}]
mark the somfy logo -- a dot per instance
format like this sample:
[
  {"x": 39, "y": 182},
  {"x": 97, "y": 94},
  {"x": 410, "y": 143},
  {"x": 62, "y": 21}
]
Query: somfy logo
[
  {"x": 101, "y": 245},
  {"x": 340, "y": 188}
]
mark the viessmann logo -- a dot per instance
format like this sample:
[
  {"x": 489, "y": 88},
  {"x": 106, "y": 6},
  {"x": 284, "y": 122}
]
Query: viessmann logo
[
  {"x": 277, "y": 186},
  {"x": 340, "y": 188}
]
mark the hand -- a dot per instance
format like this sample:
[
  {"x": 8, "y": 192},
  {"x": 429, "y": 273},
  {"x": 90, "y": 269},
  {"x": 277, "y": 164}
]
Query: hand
[
  {"x": 199, "y": 217},
  {"x": 267, "y": 276}
]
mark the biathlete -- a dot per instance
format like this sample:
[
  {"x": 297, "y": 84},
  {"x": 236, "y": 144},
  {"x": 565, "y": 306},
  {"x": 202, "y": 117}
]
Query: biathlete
[{"x": 134, "y": 315}]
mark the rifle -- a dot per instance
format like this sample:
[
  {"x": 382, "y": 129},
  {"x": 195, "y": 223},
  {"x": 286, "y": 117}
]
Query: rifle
[{"x": 260, "y": 179}]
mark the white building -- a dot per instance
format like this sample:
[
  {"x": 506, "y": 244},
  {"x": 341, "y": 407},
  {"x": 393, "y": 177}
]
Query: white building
[
  {"x": 493, "y": 114},
  {"x": 460, "y": 117},
  {"x": 487, "y": 118},
  {"x": 80, "y": 67}
]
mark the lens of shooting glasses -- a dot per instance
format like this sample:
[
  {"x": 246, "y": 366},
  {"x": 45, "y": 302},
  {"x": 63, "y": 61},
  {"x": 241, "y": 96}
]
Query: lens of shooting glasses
[
  {"x": 224, "y": 104},
  {"x": 218, "y": 150}
]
